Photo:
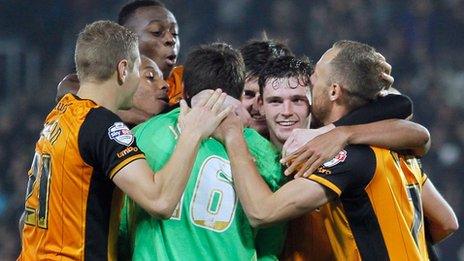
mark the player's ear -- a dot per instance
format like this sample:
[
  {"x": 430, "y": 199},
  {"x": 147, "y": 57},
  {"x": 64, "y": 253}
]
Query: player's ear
[
  {"x": 122, "y": 71},
  {"x": 335, "y": 91}
]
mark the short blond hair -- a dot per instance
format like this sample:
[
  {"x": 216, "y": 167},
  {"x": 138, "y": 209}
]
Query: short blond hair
[{"x": 100, "y": 47}]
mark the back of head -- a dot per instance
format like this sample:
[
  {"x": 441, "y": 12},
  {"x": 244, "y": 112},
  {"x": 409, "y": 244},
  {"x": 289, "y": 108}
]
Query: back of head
[
  {"x": 214, "y": 66},
  {"x": 286, "y": 67},
  {"x": 129, "y": 9},
  {"x": 99, "y": 49},
  {"x": 357, "y": 68},
  {"x": 257, "y": 53}
]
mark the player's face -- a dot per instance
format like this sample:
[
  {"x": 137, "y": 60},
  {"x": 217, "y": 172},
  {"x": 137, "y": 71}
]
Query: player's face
[
  {"x": 151, "y": 96},
  {"x": 320, "y": 85},
  {"x": 157, "y": 30},
  {"x": 285, "y": 106},
  {"x": 249, "y": 100}
]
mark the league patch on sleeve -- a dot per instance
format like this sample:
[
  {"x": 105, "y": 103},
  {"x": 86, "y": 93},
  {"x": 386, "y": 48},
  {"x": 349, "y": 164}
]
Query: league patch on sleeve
[
  {"x": 341, "y": 156},
  {"x": 120, "y": 133}
]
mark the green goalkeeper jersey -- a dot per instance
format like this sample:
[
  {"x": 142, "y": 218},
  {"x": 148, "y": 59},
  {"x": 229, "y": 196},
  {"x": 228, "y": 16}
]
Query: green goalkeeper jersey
[{"x": 209, "y": 222}]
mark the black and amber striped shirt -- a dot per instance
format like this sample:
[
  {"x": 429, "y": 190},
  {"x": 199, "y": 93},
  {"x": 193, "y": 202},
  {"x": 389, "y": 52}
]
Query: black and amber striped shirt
[
  {"x": 378, "y": 212},
  {"x": 72, "y": 206}
]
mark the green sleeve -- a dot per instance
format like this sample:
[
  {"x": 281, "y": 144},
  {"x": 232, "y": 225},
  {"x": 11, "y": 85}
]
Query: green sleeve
[
  {"x": 266, "y": 158},
  {"x": 269, "y": 241}
]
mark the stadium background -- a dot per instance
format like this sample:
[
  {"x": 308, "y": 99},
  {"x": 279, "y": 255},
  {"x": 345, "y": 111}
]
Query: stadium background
[{"x": 422, "y": 39}]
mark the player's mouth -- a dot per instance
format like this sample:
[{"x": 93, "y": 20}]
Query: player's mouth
[
  {"x": 286, "y": 123},
  {"x": 164, "y": 98},
  {"x": 171, "y": 60}
]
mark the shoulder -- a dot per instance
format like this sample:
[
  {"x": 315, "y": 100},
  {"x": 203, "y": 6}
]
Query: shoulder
[
  {"x": 266, "y": 158},
  {"x": 258, "y": 142},
  {"x": 350, "y": 170},
  {"x": 158, "y": 123},
  {"x": 358, "y": 160},
  {"x": 100, "y": 119}
]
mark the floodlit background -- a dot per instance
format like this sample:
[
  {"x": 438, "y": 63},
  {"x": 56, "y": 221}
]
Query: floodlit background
[{"x": 422, "y": 39}]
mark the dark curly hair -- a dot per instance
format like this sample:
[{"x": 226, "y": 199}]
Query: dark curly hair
[
  {"x": 128, "y": 10},
  {"x": 256, "y": 53},
  {"x": 286, "y": 67},
  {"x": 213, "y": 66}
]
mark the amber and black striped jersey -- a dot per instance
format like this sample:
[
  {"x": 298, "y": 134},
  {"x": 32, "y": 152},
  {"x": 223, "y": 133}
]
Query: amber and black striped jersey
[
  {"x": 378, "y": 212},
  {"x": 72, "y": 206},
  {"x": 307, "y": 238},
  {"x": 306, "y": 235}
]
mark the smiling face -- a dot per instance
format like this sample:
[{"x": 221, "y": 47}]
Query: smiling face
[
  {"x": 285, "y": 106},
  {"x": 250, "y": 102},
  {"x": 158, "y": 35}
]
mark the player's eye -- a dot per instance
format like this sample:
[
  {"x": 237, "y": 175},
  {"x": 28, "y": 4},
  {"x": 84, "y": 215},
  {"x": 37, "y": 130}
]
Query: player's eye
[
  {"x": 174, "y": 33},
  {"x": 157, "y": 33},
  {"x": 249, "y": 94},
  {"x": 274, "y": 101},
  {"x": 299, "y": 100},
  {"x": 150, "y": 75}
]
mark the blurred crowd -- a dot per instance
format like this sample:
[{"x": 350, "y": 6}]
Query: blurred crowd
[{"x": 422, "y": 39}]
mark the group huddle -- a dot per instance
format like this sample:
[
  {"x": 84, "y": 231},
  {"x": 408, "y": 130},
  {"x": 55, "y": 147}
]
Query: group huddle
[{"x": 248, "y": 154}]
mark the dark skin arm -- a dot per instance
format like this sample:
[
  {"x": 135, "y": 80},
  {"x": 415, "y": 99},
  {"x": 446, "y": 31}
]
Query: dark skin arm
[{"x": 307, "y": 149}]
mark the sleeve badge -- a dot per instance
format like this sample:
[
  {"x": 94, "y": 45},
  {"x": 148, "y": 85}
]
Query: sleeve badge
[
  {"x": 341, "y": 156},
  {"x": 120, "y": 133}
]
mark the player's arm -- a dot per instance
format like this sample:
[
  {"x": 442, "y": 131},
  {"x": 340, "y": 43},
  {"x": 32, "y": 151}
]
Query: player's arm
[
  {"x": 391, "y": 106},
  {"x": 441, "y": 219},
  {"x": 416, "y": 140},
  {"x": 403, "y": 135},
  {"x": 261, "y": 205},
  {"x": 393, "y": 134},
  {"x": 108, "y": 145},
  {"x": 160, "y": 193}
]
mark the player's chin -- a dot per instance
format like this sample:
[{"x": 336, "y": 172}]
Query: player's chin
[{"x": 166, "y": 69}]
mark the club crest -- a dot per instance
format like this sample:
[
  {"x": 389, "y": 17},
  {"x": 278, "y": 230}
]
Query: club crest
[
  {"x": 341, "y": 156},
  {"x": 120, "y": 133}
]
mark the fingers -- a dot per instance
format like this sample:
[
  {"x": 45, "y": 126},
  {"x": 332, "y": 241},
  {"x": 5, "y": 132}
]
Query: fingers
[
  {"x": 386, "y": 67},
  {"x": 387, "y": 78},
  {"x": 291, "y": 156},
  {"x": 219, "y": 102},
  {"x": 184, "y": 108},
  {"x": 298, "y": 162},
  {"x": 223, "y": 114},
  {"x": 305, "y": 165},
  {"x": 213, "y": 98},
  {"x": 287, "y": 144},
  {"x": 313, "y": 167}
]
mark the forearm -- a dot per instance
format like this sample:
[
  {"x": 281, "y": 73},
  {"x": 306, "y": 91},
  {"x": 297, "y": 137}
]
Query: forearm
[
  {"x": 261, "y": 205},
  {"x": 251, "y": 188},
  {"x": 160, "y": 193},
  {"x": 392, "y": 134},
  {"x": 387, "y": 107},
  {"x": 441, "y": 219},
  {"x": 171, "y": 180}
]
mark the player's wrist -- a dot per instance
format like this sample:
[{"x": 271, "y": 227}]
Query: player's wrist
[
  {"x": 191, "y": 136},
  {"x": 347, "y": 134},
  {"x": 233, "y": 136}
]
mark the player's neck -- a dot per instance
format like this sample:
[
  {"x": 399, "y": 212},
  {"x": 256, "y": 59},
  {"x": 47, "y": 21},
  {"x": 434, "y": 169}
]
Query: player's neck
[
  {"x": 335, "y": 114},
  {"x": 274, "y": 140},
  {"x": 103, "y": 94}
]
